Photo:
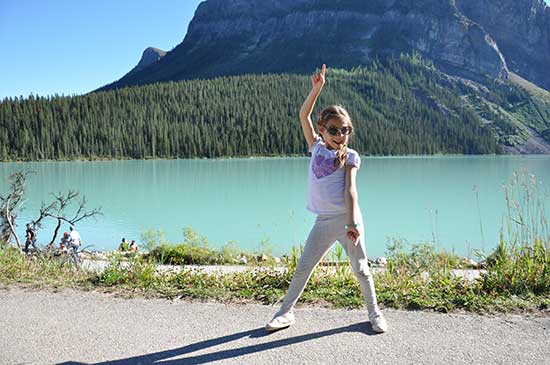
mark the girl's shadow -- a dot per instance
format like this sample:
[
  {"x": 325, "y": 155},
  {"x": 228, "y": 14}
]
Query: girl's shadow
[{"x": 364, "y": 328}]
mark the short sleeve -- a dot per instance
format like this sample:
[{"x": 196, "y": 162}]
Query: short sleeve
[
  {"x": 353, "y": 159},
  {"x": 316, "y": 143}
]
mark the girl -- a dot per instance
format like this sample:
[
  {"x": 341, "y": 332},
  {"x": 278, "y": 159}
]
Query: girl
[{"x": 332, "y": 195}]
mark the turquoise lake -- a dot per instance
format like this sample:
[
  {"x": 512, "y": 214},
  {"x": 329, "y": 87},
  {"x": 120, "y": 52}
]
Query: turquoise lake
[{"x": 250, "y": 201}]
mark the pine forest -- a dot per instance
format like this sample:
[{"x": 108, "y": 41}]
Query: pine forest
[{"x": 399, "y": 107}]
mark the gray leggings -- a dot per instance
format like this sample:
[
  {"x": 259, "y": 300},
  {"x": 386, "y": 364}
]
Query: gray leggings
[{"x": 325, "y": 232}]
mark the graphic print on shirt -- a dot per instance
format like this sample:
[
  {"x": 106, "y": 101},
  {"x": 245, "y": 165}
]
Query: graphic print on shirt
[{"x": 323, "y": 167}]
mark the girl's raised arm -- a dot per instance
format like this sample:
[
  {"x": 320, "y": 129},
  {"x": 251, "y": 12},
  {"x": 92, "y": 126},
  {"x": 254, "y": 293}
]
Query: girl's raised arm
[{"x": 317, "y": 83}]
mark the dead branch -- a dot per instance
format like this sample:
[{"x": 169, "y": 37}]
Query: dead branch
[
  {"x": 44, "y": 212},
  {"x": 9, "y": 219},
  {"x": 11, "y": 204},
  {"x": 59, "y": 207}
]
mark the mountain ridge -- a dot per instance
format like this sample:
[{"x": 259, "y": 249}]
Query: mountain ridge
[
  {"x": 522, "y": 31},
  {"x": 232, "y": 37}
]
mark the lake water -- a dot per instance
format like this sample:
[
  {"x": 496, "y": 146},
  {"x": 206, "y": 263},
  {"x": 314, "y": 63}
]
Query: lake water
[{"x": 250, "y": 201}]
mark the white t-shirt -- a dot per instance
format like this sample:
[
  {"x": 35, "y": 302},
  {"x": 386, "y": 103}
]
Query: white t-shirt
[
  {"x": 74, "y": 238},
  {"x": 326, "y": 182}
]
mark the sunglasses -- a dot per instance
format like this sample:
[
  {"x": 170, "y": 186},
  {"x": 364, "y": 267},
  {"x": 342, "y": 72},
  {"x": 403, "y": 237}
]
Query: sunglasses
[{"x": 344, "y": 130}]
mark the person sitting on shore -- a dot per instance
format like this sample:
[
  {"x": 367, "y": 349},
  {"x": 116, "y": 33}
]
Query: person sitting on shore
[
  {"x": 123, "y": 247},
  {"x": 74, "y": 239},
  {"x": 64, "y": 243},
  {"x": 134, "y": 246}
]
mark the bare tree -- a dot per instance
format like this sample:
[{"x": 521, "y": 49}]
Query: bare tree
[
  {"x": 58, "y": 209},
  {"x": 10, "y": 206}
]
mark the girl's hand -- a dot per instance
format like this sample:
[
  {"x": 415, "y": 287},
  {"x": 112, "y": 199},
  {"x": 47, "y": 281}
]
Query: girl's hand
[
  {"x": 353, "y": 235},
  {"x": 318, "y": 79}
]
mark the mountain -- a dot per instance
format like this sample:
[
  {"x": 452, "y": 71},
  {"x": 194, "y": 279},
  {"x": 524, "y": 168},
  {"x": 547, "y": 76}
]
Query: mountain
[
  {"x": 150, "y": 56},
  {"x": 473, "y": 39},
  {"x": 521, "y": 29}
]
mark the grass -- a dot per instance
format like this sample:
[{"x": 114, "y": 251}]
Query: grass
[
  {"x": 516, "y": 276},
  {"x": 38, "y": 270},
  {"x": 404, "y": 284},
  {"x": 529, "y": 86}
]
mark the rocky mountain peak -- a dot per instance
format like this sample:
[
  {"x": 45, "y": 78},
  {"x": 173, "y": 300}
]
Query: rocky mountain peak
[{"x": 150, "y": 55}]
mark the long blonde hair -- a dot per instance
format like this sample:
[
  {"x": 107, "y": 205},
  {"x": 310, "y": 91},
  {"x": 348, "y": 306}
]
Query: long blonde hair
[{"x": 336, "y": 112}]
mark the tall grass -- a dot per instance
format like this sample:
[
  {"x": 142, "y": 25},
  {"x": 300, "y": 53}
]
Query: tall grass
[
  {"x": 520, "y": 264},
  {"x": 420, "y": 277},
  {"x": 16, "y": 267}
]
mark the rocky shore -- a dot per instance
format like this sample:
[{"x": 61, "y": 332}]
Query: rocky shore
[{"x": 98, "y": 261}]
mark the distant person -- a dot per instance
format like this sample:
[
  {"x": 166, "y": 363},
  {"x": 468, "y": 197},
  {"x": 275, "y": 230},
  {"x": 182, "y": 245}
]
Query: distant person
[
  {"x": 64, "y": 243},
  {"x": 332, "y": 195},
  {"x": 123, "y": 247},
  {"x": 74, "y": 239},
  {"x": 134, "y": 246},
  {"x": 30, "y": 238}
]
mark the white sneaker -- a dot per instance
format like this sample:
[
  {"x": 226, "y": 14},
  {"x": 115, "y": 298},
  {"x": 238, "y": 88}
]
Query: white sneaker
[
  {"x": 280, "y": 322},
  {"x": 378, "y": 322}
]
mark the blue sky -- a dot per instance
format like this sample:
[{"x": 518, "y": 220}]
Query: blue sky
[{"x": 75, "y": 46}]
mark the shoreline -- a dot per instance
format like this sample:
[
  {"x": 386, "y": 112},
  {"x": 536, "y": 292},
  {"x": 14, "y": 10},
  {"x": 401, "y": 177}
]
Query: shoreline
[
  {"x": 269, "y": 260},
  {"x": 97, "y": 265},
  {"x": 253, "y": 157}
]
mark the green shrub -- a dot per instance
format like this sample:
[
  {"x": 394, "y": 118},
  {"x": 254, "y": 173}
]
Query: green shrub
[
  {"x": 185, "y": 254},
  {"x": 135, "y": 272},
  {"x": 195, "y": 250},
  {"x": 152, "y": 239}
]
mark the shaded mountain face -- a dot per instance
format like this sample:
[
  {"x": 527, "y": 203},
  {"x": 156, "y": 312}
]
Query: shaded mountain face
[
  {"x": 232, "y": 37},
  {"x": 522, "y": 30}
]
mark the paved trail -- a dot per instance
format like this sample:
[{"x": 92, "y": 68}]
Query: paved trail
[{"x": 72, "y": 327}]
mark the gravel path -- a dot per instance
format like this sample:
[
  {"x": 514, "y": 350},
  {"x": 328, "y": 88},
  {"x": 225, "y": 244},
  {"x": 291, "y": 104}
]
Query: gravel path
[{"x": 72, "y": 327}]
